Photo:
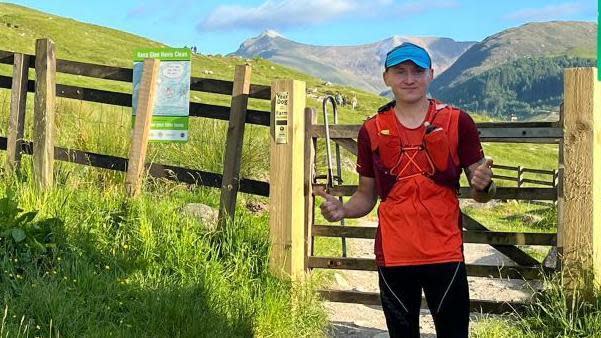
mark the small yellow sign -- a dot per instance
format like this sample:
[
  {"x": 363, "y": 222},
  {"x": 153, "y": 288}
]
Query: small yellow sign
[{"x": 281, "y": 118}]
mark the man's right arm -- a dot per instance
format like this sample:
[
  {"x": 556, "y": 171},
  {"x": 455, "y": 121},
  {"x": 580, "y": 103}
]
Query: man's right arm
[{"x": 359, "y": 205}]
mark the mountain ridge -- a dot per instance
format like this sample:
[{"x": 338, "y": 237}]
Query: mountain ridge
[{"x": 359, "y": 65}]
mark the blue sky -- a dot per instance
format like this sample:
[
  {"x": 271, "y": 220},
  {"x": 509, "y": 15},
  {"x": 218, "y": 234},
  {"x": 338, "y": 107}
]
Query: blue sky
[{"x": 220, "y": 27}]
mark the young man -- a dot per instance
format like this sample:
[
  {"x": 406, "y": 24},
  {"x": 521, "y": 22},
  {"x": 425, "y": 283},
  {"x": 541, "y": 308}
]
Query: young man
[{"x": 410, "y": 156}]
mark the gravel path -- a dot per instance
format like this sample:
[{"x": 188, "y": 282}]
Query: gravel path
[{"x": 355, "y": 320}]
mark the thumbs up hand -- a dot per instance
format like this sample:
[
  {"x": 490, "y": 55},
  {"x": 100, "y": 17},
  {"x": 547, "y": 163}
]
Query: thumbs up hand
[
  {"x": 332, "y": 209},
  {"x": 482, "y": 175}
]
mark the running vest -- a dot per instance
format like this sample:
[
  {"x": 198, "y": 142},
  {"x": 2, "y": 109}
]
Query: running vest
[
  {"x": 404, "y": 156},
  {"x": 419, "y": 218}
]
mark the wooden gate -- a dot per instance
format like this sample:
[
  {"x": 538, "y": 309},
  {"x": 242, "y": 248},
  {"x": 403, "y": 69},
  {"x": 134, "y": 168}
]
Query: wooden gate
[
  {"x": 474, "y": 232},
  {"x": 577, "y": 193}
]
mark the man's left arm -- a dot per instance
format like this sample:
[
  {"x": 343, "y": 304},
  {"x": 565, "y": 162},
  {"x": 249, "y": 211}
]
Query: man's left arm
[{"x": 479, "y": 175}]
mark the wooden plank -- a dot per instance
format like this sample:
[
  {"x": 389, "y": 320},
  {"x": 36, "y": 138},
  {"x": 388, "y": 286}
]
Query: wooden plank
[
  {"x": 538, "y": 140},
  {"x": 309, "y": 174},
  {"x": 348, "y": 144},
  {"x": 169, "y": 172},
  {"x": 257, "y": 117},
  {"x": 581, "y": 218},
  {"x": 529, "y": 194},
  {"x": 286, "y": 196},
  {"x": 474, "y": 270},
  {"x": 233, "y": 147},
  {"x": 504, "y": 167},
  {"x": 7, "y": 57},
  {"x": 139, "y": 143},
  {"x": 349, "y": 131},
  {"x": 506, "y": 178},
  {"x": 514, "y": 253},
  {"x": 509, "y": 238},
  {"x": 346, "y": 231},
  {"x": 547, "y": 183},
  {"x": 18, "y": 106},
  {"x": 524, "y": 194},
  {"x": 373, "y": 299},
  {"x": 520, "y": 133},
  {"x": 469, "y": 236},
  {"x": 95, "y": 70},
  {"x": 226, "y": 87},
  {"x": 560, "y": 191},
  {"x": 518, "y": 125},
  {"x": 490, "y": 134},
  {"x": 44, "y": 112},
  {"x": 539, "y": 171},
  {"x": 126, "y": 75}
]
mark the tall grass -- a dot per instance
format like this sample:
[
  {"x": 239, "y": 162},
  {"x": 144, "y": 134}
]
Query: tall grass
[
  {"x": 553, "y": 312},
  {"x": 111, "y": 266},
  {"x": 82, "y": 259}
]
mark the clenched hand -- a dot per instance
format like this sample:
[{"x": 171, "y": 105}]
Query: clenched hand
[{"x": 331, "y": 209}]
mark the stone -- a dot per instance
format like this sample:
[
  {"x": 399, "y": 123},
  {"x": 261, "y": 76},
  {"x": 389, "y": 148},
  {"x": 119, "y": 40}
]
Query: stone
[
  {"x": 256, "y": 207},
  {"x": 532, "y": 219},
  {"x": 203, "y": 213}
]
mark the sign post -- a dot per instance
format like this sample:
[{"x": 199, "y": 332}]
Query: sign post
[{"x": 172, "y": 105}]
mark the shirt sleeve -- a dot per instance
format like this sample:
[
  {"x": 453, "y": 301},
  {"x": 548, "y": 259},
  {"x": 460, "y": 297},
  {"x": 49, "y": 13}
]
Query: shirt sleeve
[
  {"x": 470, "y": 149},
  {"x": 364, "y": 154}
]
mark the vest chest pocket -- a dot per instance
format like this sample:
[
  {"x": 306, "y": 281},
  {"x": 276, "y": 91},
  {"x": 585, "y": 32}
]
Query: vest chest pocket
[{"x": 390, "y": 152}]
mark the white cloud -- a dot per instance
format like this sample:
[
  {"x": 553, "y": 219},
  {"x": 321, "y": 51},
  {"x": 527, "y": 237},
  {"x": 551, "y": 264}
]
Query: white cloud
[
  {"x": 551, "y": 12},
  {"x": 282, "y": 14},
  {"x": 276, "y": 13}
]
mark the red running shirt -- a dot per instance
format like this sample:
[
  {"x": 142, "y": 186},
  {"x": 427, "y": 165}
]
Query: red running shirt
[{"x": 419, "y": 220}]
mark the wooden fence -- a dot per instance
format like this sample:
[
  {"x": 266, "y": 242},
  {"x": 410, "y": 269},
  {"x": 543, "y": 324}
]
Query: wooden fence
[
  {"x": 520, "y": 173},
  {"x": 46, "y": 66}
]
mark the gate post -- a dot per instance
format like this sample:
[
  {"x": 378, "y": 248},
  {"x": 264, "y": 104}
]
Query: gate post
[
  {"x": 286, "y": 193},
  {"x": 579, "y": 191}
]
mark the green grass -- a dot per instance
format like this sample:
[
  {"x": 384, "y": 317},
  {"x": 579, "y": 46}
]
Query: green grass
[
  {"x": 553, "y": 312},
  {"x": 107, "y": 265}
]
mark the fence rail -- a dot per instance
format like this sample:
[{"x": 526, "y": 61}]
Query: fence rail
[{"x": 126, "y": 75}]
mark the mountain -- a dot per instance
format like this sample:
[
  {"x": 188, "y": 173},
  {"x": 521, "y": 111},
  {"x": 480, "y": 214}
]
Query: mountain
[
  {"x": 358, "y": 66},
  {"x": 519, "y": 70}
]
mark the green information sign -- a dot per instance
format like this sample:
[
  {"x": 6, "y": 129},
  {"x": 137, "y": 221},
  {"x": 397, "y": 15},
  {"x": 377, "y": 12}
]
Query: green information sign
[{"x": 172, "y": 102}]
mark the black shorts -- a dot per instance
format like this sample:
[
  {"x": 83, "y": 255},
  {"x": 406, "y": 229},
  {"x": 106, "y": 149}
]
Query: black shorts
[{"x": 447, "y": 294}]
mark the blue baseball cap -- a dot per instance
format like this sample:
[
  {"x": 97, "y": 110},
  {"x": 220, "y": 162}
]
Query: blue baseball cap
[{"x": 408, "y": 52}]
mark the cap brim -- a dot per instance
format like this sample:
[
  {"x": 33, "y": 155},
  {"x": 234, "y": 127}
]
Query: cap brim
[{"x": 418, "y": 63}]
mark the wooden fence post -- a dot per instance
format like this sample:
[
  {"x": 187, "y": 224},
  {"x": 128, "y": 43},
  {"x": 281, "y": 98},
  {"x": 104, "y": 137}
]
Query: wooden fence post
[
  {"x": 310, "y": 120},
  {"x": 286, "y": 193},
  {"x": 230, "y": 182},
  {"x": 139, "y": 143},
  {"x": 520, "y": 176},
  {"x": 18, "y": 105},
  {"x": 579, "y": 234},
  {"x": 44, "y": 110}
]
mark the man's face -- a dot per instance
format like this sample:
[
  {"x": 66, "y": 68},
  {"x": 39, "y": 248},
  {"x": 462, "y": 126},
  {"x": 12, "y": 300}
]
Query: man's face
[{"x": 408, "y": 82}]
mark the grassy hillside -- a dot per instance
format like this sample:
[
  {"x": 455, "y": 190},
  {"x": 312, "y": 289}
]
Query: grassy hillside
[
  {"x": 20, "y": 26},
  {"x": 519, "y": 70}
]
